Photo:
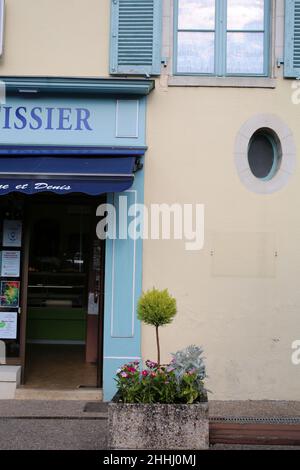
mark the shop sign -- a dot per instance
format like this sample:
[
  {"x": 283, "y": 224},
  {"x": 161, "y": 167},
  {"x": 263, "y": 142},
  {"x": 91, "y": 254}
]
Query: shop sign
[
  {"x": 8, "y": 325},
  {"x": 72, "y": 121},
  {"x": 10, "y": 263},
  {"x": 12, "y": 233}
]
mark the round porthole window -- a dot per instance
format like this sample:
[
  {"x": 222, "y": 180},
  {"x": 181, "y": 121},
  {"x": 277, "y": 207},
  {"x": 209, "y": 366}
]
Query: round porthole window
[{"x": 264, "y": 154}]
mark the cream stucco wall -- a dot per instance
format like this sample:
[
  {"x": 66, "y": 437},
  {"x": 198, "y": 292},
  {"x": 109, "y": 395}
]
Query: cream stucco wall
[
  {"x": 56, "y": 38},
  {"x": 246, "y": 324}
]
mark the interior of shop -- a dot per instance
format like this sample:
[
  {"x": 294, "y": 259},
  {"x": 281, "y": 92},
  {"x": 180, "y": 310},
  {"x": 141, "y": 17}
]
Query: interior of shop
[{"x": 60, "y": 277}]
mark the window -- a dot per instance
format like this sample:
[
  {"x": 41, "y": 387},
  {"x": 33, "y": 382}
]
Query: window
[
  {"x": 264, "y": 154},
  {"x": 222, "y": 37}
]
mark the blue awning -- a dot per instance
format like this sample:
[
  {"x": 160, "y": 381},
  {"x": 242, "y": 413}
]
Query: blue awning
[{"x": 92, "y": 175}]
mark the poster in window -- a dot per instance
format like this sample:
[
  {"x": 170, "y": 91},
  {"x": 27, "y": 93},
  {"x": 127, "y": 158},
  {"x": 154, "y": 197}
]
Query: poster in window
[
  {"x": 10, "y": 263},
  {"x": 12, "y": 233},
  {"x": 9, "y": 294},
  {"x": 8, "y": 325}
]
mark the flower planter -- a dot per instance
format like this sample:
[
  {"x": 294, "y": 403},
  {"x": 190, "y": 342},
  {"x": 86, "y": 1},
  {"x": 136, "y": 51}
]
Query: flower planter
[{"x": 159, "y": 427}]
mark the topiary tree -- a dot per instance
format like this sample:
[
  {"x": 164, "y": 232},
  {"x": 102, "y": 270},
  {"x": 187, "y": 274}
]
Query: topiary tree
[{"x": 156, "y": 308}]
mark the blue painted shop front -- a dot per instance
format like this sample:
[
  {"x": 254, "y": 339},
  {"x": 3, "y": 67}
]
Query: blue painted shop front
[{"x": 84, "y": 137}]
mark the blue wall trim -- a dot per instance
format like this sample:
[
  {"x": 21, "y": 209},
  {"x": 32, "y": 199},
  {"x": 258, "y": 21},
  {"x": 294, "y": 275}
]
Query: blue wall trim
[
  {"x": 70, "y": 150},
  {"x": 123, "y": 287},
  {"x": 61, "y": 85}
]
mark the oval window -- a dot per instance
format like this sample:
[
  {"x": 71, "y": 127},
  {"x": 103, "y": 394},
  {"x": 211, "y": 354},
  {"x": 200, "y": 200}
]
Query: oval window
[{"x": 264, "y": 154}]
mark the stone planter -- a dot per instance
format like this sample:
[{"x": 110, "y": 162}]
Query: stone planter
[{"x": 159, "y": 427}]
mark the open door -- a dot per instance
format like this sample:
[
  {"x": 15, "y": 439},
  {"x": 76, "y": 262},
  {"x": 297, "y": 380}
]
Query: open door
[{"x": 62, "y": 301}]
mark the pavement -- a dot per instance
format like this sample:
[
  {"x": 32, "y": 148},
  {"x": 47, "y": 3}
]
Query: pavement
[
  {"x": 51, "y": 425},
  {"x": 254, "y": 408},
  {"x": 77, "y": 425}
]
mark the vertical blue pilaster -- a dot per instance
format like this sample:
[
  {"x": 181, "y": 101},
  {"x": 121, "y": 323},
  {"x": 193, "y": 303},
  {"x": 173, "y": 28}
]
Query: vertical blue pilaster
[{"x": 123, "y": 286}]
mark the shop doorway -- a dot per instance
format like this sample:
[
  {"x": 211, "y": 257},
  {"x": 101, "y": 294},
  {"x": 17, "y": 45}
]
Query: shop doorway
[{"x": 62, "y": 294}]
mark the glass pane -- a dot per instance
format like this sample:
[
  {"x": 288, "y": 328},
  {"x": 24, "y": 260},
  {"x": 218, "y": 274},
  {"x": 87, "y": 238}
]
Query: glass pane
[
  {"x": 245, "y": 15},
  {"x": 261, "y": 156},
  {"x": 196, "y": 14},
  {"x": 245, "y": 53},
  {"x": 58, "y": 261},
  {"x": 196, "y": 53}
]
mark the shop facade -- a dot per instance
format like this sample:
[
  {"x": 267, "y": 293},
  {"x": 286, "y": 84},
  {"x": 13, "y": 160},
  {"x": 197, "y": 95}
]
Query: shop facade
[{"x": 68, "y": 148}]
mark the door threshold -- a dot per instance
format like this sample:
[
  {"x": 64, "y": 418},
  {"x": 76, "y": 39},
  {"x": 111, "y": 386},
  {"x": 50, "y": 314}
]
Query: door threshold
[{"x": 26, "y": 393}]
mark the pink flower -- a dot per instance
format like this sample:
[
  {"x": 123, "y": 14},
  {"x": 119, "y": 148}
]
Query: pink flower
[
  {"x": 131, "y": 369},
  {"x": 151, "y": 364},
  {"x": 144, "y": 373},
  {"x": 153, "y": 374},
  {"x": 124, "y": 375}
]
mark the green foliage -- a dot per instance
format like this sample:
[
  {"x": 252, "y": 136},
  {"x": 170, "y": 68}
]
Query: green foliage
[
  {"x": 190, "y": 358},
  {"x": 156, "y": 307},
  {"x": 159, "y": 384}
]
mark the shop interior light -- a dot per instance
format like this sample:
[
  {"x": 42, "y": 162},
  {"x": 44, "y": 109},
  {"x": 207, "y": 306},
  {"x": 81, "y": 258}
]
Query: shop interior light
[{"x": 27, "y": 90}]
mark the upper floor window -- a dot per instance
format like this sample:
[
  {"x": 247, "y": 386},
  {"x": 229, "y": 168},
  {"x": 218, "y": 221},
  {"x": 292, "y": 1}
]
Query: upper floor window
[{"x": 222, "y": 37}]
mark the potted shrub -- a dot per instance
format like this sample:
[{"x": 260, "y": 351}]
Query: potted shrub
[{"x": 160, "y": 406}]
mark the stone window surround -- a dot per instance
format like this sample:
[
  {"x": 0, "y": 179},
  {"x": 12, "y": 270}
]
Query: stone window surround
[
  {"x": 288, "y": 160},
  {"x": 277, "y": 53}
]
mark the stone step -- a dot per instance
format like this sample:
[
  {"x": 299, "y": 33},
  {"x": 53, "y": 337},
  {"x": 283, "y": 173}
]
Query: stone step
[
  {"x": 42, "y": 409},
  {"x": 10, "y": 377},
  {"x": 24, "y": 393}
]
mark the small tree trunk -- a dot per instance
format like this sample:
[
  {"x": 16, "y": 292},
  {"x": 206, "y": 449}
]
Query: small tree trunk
[{"x": 158, "y": 345}]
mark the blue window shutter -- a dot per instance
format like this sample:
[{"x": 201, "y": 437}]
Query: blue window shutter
[
  {"x": 136, "y": 30},
  {"x": 292, "y": 39}
]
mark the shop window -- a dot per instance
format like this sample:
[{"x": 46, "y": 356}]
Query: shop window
[
  {"x": 222, "y": 38},
  {"x": 264, "y": 154}
]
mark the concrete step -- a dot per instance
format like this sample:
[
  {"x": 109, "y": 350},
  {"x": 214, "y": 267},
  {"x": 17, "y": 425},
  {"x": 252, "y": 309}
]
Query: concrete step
[
  {"x": 25, "y": 393},
  {"x": 42, "y": 409},
  {"x": 10, "y": 377}
]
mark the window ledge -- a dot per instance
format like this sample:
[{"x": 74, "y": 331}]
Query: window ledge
[{"x": 230, "y": 82}]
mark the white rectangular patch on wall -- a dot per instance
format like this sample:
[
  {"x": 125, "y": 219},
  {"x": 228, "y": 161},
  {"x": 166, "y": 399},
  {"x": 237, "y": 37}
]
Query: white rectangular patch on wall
[
  {"x": 244, "y": 255},
  {"x": 127, "y": 119}
]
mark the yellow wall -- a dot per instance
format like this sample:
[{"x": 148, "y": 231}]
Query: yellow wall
[
  {"x": 56, "y": 38},
  {"x": 246, "y": 325}
]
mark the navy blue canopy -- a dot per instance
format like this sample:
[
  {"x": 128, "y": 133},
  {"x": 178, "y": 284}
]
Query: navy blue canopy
[{"x": 91, "y": 175}]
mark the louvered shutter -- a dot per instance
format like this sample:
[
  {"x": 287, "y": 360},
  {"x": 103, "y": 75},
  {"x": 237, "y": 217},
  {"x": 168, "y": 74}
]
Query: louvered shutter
[
  {"x": 292, "y": 39},
  {"x": 136, "y": 37}
]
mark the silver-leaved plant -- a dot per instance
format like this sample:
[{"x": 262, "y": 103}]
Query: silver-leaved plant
[{"x": 187, "y": 360}]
